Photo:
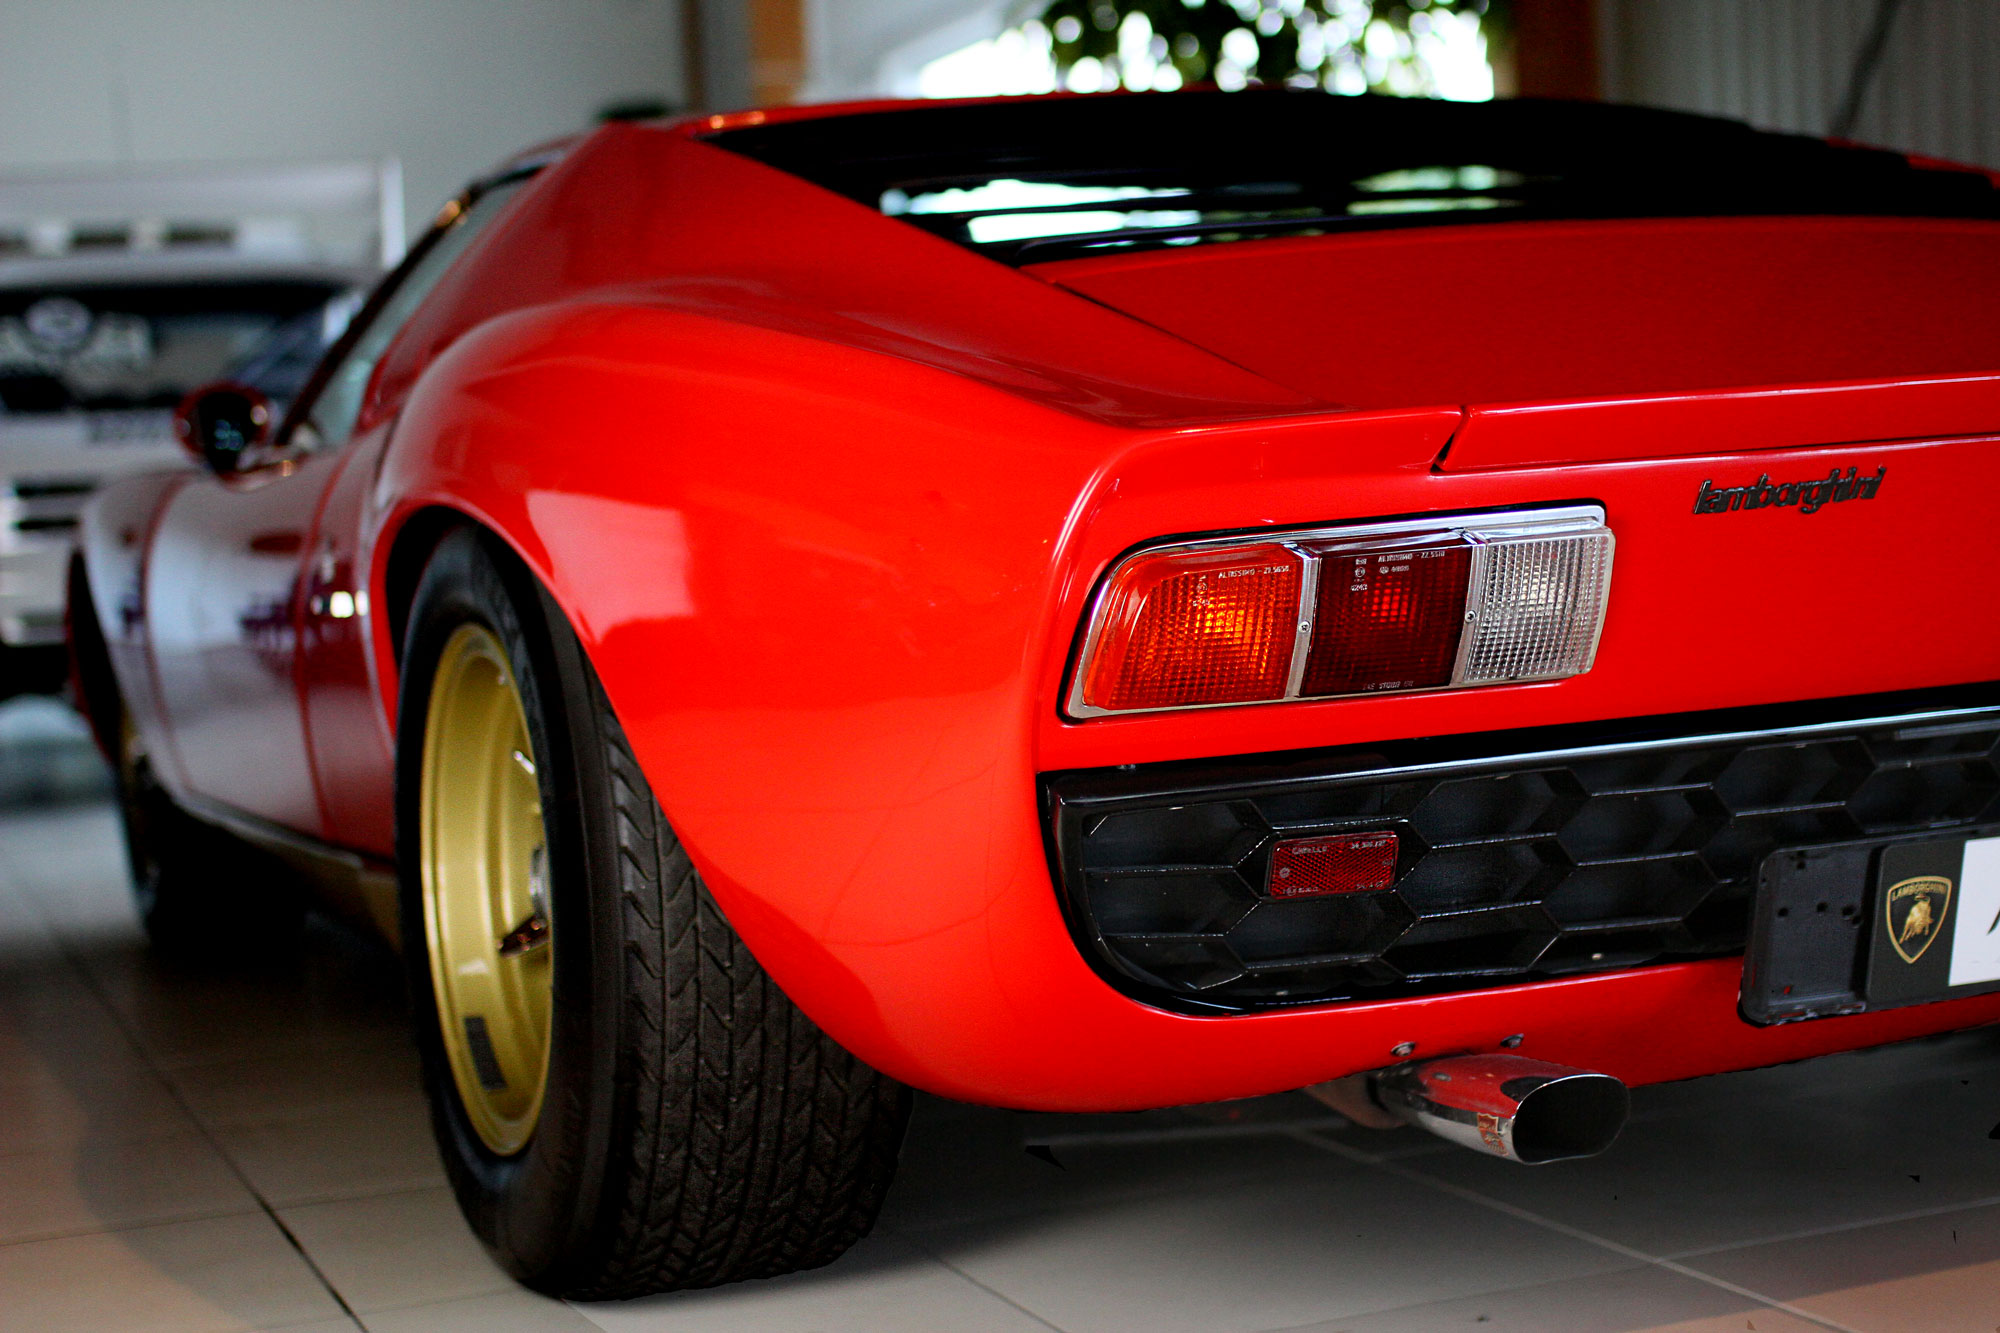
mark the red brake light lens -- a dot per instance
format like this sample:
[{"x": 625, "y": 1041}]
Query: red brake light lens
[
  {"x": 1197, "y": 627},
  {"x": 1340, "y": 863},
  {"x": 1388, "y": 620}
]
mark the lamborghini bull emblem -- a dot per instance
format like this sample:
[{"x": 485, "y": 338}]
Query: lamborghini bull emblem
[{"x": 1915, "y": 911}]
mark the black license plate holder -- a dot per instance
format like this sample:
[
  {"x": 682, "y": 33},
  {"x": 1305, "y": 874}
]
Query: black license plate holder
[{"x": 1832, "y": 930}]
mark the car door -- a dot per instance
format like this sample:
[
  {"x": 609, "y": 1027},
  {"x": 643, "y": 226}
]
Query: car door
[
  {"x": 220, "y": 590},
  {"x": 227, "y": 581}
]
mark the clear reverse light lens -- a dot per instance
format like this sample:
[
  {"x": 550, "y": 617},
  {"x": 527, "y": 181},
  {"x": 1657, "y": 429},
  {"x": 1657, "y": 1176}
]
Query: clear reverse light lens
[{"x": 1539, "y": 610}]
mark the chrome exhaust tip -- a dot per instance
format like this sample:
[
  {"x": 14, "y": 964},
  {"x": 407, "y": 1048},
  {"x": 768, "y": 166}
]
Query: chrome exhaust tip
[{"x": 1506, "y": 1105}]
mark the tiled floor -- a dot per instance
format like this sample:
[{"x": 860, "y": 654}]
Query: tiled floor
[{"x": 200, "y": 1151}]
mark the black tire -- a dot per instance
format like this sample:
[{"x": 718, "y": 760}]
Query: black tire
[
  {"x": 182, "y": 869},
  {"x": 696, "y": 1127},
  {"x": 202, "y": 893}
]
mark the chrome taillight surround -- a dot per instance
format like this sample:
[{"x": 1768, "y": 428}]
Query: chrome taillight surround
[{"x": 1536, "y": 592}]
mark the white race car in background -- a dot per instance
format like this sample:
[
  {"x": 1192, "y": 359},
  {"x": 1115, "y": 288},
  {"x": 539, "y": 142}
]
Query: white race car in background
[{"x": 118, "y": 294}]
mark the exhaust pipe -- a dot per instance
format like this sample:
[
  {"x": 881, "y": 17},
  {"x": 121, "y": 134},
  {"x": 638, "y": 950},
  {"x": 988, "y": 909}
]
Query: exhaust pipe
[{"x": 1520, "y": 1109}]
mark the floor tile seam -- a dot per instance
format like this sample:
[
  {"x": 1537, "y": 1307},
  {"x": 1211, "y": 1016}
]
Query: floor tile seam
[
  {"x": 252, "y": 1209},
  {"x": 1836, "y": 1228},
  {"x": 87, "y": 1077},
  {"x": 1763, "y": 1303},
  {"x": 507, "y": 1285},
  {"x": 1397, "y": 1169},
  {"x": 250, "y": 1186},
  {"x": 388, "y": 1040},
  {"x": 394, "y": 1037},
  {"x": 345, "y": 1109},
  {"x": 503, "y": 1284},
  {"x": 231, "y": 1124},
  {"x": 81, "y": 973},
  {"x": 1736, "y": 1288},
  {"x": 1411, "y": 1152},
  {"x": 1376, "y": 1311},
  {"x": 315, "y": 1321},
  {"x": 90, "y": 1141},
  {"x": 1576, "y": 1233},
  {"x": 298, "y": 1247},
  {"x": 1636, "y": 1265},
  {"x": 211, "y": 1075},
  {"x": 167, "y": 1063},
  {"x": 312, "y": 1323},
  {"x": 327, "y": 1201},
  {"x": 938, "y": 1259}
]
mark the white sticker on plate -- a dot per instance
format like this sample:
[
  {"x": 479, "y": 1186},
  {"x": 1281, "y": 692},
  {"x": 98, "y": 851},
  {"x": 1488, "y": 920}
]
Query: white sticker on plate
[{"x": 1975, "y": 942}]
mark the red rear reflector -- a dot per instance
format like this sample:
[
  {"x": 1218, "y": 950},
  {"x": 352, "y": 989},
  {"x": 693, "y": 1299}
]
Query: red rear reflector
[
  {"x": 1388, "y": 620},
  {"x": 1195, "y": 627},
  {"x": 1342, "y": 863}
]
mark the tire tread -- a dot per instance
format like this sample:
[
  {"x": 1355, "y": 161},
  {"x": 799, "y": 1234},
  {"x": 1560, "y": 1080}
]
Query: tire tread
[{"x": 754, "y": 1145}]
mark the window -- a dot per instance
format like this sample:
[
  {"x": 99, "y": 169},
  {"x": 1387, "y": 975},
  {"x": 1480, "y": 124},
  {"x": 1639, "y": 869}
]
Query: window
[
  {"x": 332, "y": 413},
  {"x": 1025, "y": 182}
]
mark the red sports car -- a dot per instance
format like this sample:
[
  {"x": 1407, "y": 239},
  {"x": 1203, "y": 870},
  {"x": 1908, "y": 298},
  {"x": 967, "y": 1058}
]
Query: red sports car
[{"x": 1093, "y": 603}]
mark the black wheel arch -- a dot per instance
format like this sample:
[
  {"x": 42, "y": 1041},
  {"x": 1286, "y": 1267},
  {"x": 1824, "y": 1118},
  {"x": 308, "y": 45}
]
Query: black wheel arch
[{"x": 410, "y": 550}]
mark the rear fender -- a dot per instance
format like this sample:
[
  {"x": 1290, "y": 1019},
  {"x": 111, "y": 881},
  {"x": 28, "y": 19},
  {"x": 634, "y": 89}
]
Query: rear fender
[{"x": 815, "y": 583}]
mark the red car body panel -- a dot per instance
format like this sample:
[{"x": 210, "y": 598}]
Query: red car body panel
[
  {"x": 825, "y": 499},
  {"x": 1788, "y": 416},
  {"x": 1555, "y": 311},
  {"x": 221, "y": 583},
  {"x": 632, "y": 216},
  {"x": 350, "y": 736}
]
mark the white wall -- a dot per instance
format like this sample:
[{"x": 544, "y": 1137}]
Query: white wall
[
  {"x": 873, "y": 48},
  {"x": 448, "y": 86},
  {"x": 1784, "y": 64}
]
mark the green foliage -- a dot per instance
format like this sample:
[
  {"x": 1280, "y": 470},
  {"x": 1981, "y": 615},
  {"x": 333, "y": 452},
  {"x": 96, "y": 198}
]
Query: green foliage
[{"x": 1299, "y": 43}]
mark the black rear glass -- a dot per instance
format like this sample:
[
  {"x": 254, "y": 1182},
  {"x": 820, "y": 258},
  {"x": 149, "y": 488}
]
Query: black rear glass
[{"x": 1034, "y": 180}]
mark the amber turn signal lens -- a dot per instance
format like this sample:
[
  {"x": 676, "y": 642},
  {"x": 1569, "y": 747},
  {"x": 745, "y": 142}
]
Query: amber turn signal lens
[
  {"x": 1201, "y": 627},
  {"x": 1340, "y": 863}
]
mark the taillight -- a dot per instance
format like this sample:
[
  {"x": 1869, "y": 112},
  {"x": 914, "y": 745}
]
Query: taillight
[
  {"x": 1477, "y": 599},
  {"x": 1198, "y": 627},
  {"x": 1388, "y": 619}
]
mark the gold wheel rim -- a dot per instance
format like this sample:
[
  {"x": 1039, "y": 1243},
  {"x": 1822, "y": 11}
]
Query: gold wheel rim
[{"x": 484, "y": 861}]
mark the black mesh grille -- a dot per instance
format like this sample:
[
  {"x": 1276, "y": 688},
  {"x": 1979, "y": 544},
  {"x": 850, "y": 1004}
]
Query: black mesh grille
[{"x": 1524, "y": 855}]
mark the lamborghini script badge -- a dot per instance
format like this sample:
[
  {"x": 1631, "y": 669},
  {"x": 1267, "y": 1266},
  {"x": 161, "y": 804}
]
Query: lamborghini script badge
[
  {"x": 1915, "y": 910},
  {"x": 1807, "y": 495}
]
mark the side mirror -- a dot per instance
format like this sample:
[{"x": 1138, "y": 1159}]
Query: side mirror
[{"x": 221, "y": 425}]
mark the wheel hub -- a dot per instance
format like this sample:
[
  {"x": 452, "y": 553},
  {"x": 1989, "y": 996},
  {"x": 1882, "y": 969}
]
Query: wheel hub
[{"x": 484, "y": 863}]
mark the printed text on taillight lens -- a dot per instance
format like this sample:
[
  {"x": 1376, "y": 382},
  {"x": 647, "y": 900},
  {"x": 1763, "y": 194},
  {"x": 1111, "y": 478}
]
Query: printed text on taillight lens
[
  {"x": 1212, "y": 627},
  {"x": 1388, "y": 620}
]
